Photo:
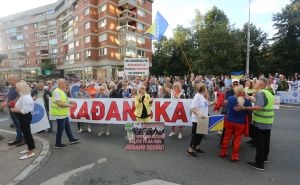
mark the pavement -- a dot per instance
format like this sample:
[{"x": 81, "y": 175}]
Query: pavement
[
  {"x": 14, "y": 170},
  {"x": 103, "y": 160}
]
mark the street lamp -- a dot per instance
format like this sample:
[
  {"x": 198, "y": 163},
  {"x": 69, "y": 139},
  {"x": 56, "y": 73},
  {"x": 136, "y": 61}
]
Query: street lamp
[{"x": 248, "y": 42}]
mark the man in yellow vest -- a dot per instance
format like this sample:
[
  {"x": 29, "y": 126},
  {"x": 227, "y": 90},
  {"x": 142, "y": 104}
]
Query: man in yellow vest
[
  {"x": 59, "y": 111},
  {"x": 263, "y": 119}
]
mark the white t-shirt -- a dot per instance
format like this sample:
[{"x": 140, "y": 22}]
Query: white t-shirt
[
  {"x": 201, "y": 104},
  {"x": 25, "y": 104}
]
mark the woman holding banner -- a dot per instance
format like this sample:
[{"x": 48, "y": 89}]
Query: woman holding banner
[
  {"x": 199, "y": 109},
  {"x": 176, "y": 93},
  {"x": 142, "y": 105},
  {"x": 23, "y": 108},
  {"x": 236, "y": 122}
]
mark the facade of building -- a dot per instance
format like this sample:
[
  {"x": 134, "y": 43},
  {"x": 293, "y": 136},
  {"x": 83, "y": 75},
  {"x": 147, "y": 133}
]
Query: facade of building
[{"x": 88, "y": 38}]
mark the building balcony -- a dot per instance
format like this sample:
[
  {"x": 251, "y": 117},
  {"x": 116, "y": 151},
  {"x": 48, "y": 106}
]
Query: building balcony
[
  {"x": 126, "y": 27},
  {"x": 127, "y": 14},
  {"x": 128, "y": 3},
  {"x": 127, "y": 43},
  {"x": 43, "y": 28}
]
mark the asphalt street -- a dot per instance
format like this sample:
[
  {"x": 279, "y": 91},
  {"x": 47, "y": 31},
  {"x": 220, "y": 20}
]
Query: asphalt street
[{"x": 103, "y": 160}]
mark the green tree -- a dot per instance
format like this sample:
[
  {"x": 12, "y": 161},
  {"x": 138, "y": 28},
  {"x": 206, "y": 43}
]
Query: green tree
[{"x": 286, "y": 46}]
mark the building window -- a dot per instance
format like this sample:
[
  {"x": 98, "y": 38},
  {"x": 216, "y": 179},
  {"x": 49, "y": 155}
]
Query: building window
[
  {"x": 75, "y": 31},
  {"x": 52, "y": 41},
  {"x": 27, "y": 53},
  {"x": 37, "y": 53},
  {"x": 52, "y": 23},
  {"x": 35, "y": 25},
  {"x": 76, "y": 18},
  {"x": 102, "y": 51},
  {"x": 140, "y": 53},
  {"x": 38, "y": 61},
  {"x": 26, "y": 45},
  {"x": 71, "y": 45},
  {"x": 87, "y": 39},
  {"x": 131, "y": 37},
  {"x": 53, "y": 51},
  {"x": 36, "y": 34},
  {"x": 77, "y": 43},
  {"x": 86, "y": 11},
  {"x": 27, "y": 62},
  {"x": 37, "y": 44},
  {"x": 141, "y": 13},
  {"x": 141, "y": 1},
  {"x": 102, "y": 23},
  {"x": 43, "y": 43},
  {"x": 20, "y": 37},
  {"x": 77, "y": 55},
  {"x": 87, "y": 25},
  {"x": 71, "y": 59},
  {"x": 102, "y": 37},
  {"x": 25, "y": 27},
  {"x": 140, "y": 26},
  {"x": 87, "y": 53},
  {"x": 102, "y": 8},
  {"x": 141, "y": 40}
]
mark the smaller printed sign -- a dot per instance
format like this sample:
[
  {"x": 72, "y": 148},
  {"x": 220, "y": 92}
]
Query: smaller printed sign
[
  {"x": 136, "y": 66},
  {"x": 145, "y": 136},
  {"x": 39, "y": 120}
]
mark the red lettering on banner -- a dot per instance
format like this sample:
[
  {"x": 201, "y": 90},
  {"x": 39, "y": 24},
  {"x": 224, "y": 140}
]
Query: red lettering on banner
[
  {"x": 72, "y": 110},
  {"x": 83, "y": 112},
  {"x": 127, "y": 110},
  {"x": 98, "y": 110},
  {"x": 179, "y": 113},
  {"x": 161, "y": 111},
  {"x": 113, "y": 112}
]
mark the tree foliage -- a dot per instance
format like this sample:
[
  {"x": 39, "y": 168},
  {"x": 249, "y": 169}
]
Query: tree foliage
[{"x": 212, "y": 46}]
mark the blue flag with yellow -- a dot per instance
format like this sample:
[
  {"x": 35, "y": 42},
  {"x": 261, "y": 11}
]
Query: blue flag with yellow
[{"x": 158, "y": 28}]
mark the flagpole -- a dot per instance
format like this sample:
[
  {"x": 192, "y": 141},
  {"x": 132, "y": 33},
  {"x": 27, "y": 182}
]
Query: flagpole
[{"x": 248, "y": 41}]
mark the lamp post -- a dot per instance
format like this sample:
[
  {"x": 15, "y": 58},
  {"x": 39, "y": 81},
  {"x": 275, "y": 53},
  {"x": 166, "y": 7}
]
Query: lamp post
[{"x": 248, "y": 41}]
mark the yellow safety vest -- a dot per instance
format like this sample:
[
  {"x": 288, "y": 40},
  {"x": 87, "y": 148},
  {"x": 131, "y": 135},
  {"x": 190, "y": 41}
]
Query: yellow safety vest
[
  {"x": 266, "y": 115},
  {"x": 56, "y": 110}
]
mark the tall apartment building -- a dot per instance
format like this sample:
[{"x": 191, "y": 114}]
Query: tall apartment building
[{"x": 94, "y": 35}]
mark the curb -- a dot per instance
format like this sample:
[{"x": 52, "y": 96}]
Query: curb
[
  {"x": 290, "y": 106},
  {"x": 36, "y": 164}
]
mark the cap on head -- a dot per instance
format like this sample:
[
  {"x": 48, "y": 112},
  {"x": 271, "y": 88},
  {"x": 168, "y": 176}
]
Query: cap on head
[{"x": 235, "y": 80}]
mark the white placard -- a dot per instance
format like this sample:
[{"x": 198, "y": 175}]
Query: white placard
[
  {"x": 136, "y": 66},
  {"x": 39, "y": 120}
]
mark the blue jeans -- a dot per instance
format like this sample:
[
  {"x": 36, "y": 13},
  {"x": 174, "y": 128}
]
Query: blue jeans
[
  {"x": 16, "y": 123},
  {"x": 63, "y": 124}
]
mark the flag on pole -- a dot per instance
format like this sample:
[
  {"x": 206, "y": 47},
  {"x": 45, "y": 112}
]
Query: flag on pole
[
  {"x": 237, "y": 74},
  {"x": 158, "y": 27}
]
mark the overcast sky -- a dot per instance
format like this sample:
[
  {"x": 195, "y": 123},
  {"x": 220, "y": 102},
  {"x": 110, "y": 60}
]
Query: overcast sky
[{"x": 182, "y": 11}]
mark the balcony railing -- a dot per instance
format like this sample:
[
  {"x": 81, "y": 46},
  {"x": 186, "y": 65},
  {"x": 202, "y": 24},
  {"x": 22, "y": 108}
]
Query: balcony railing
[
  {"x": 127, "y": 14},
  {"x": 133, "y": 2}
]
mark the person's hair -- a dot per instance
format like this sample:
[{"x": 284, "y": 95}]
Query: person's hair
[
  {"x": 264, "y": 81},
  {"x": 200, "y": 88},
  {"x": 23, "y": 88},
  {"x": 240, "y": 92},
  {"x": 112, "y": 85},
  {"x": 251, "y": 84},
  {"x": 140, "y": 87},
  {"x": 178, "y": 85}
]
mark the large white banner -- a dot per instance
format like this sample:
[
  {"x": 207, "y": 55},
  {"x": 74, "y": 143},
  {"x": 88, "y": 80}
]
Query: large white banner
[
  {"x": 290, "y": 97},
  {"x": 39, "y": 117},
  {"x": 136, "y": 66},
  {"x": 119, "y": 111}
]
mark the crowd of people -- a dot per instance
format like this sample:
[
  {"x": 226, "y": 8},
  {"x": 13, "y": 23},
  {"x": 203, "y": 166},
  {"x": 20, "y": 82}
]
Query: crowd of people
[{"x": 247, "y": 104}]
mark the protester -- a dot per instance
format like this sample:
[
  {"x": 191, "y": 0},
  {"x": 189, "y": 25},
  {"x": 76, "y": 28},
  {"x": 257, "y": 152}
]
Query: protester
[
  {"x": 103, "y": 128},
  {"x": 263, "y": 118},
  {"x": 40, "y": 92},
  {"x": 113, "y": 93},
  {"x": 153, "y": 88},
  {"x": 167, "y": 87},
  {"x": 92, "y": 90},
  {"x": 199, "y": 108},
  {"x": 12, "y": 97},
  {"x": 82, "y": 95},
  {"x": 22, "y": 109},
  {"x": 60, "y": 112},
  {"x": 176, "y": 93},
  {"x": 236, "y": 122},
  {"x": 228, "y": 93},
  {"x": 249, "y": 89},
  {"x": 142, "y": 105},
  {"x": 283, "y": 84},
  {"x": 124, "y": 91}
]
